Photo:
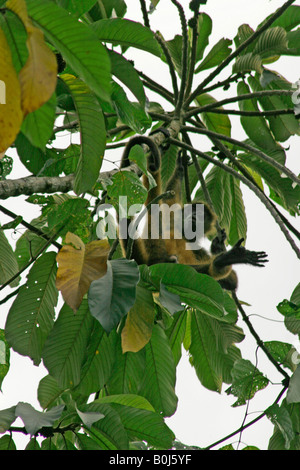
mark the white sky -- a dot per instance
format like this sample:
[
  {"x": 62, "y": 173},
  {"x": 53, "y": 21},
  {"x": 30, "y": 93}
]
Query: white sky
[{"x": 203, "y": 416}]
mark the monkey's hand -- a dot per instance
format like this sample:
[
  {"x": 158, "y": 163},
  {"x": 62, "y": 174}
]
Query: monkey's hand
[{"x": 240, "y": 255}]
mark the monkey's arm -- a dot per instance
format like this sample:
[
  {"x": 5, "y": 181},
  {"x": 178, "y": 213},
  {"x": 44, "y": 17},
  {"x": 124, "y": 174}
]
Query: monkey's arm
[{"x": 240, "y": 255}]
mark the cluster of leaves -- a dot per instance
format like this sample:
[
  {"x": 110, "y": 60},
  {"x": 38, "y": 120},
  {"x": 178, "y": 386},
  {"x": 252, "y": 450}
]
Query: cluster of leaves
[{"x": 120, "y": 331}]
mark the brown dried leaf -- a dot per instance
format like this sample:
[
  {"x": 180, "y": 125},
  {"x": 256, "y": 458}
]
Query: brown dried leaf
[{"x": 78, "y": 266}]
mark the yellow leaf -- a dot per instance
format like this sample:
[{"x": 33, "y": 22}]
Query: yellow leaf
[
  {"x": 139, "y": 322},
  {"x": 79, "y": 265},
  {"x": 11, "y": 115},
  {"x": 39, "y": 75}
]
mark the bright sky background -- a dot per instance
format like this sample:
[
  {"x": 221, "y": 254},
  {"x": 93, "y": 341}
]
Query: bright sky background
[{"x": 202, "y": 416}]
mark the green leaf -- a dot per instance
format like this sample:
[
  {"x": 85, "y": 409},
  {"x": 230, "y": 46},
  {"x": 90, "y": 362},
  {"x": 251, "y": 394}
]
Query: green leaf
[
  {"x": 143, "y": 424},
  {"x": 283, "y": 190},
  {"x": 119, "y": 31},
  {"x": 34, "y": 420},
  {"x": 7, "y": 443},
  {"x": 283, "y": 353},
  {"x": 65, "y": 347},
  {"x": 127, "y": 184},
  {"x": 7, "y": 417},
  {"x": 246, "y": 381},
  {"x": 288, "y": 20},
  {"x": 76, "y": 42},
  {"x": 247, "y": 63},
  {"x": 293, "y": 393},
  {"x": 271, "y": 43},
  {"x": 127, "y": 373},
  {"x": 291, "y": 313},
  {"x": 244, "y": 33},
  {"x": 175, "y": 51},
  {"x": 66, "y": 213},
  {"x": 88, "y": 418},
  {"x": 197, "y": 290},
  {"x": 99, "y": 359},
  {"x": 131, "y": 400},
  {"x": 280, "y": 417},
  {"x": 31, "y": 316},
  {"x": 216, "y": 55},
  {"x": 160, "y": 374},
  {"x": 170, "y": 301},
  {"x": 282, "y": 126},
  {"x": 126, "y": 73},
  {"x": 219, "y": 123},
  {"x": 48, "y": 391},
  {"x": 176, "y": 333},
  {"x": 295, "y": 297},
  {"x": 238, "y": 221},
  {"x": 219, "y": 187},
  {"x": 109, "y": 433},
  {"x": 16, "y": 36},
  {"x": 111, "y": 296},
  {"x": 37, "y": 161},
  {"x": 38, "y": 125},
  {"x": 212, "y": 352},
  {"x": 107, "y": 9},
  {"x": 76, "y": 7},
  {"x": 139, "y": 322},
  {"x": 204, "y": 31},
  {"x": 263, "y": 139},
  {"x": 4, "y": 357},
  {"x": 131, "y": 114},
  {"x": 93, "y": 134},
  {"x": 8, "y": 262}
]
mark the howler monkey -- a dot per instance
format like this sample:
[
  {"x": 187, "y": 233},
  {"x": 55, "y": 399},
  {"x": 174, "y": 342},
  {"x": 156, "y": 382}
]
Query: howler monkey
[{"x": 176, "y": 247}]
